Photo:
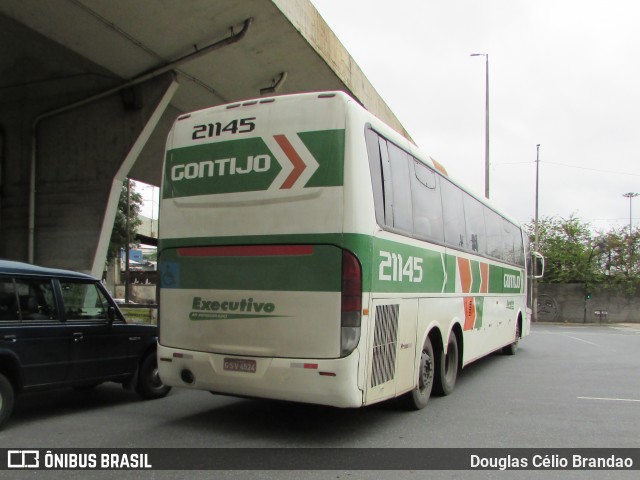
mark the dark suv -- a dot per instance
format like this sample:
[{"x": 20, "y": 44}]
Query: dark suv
[{"x": 60, "y": 328}]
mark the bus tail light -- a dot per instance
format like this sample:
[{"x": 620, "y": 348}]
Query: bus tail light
[{"x": 351, "y": 302}]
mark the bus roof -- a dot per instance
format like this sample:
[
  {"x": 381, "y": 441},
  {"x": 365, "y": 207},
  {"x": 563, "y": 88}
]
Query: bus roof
[{"x": 377, "y": 124}]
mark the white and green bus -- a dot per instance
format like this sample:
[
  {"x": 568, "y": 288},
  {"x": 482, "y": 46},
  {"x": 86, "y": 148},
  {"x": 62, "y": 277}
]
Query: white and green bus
[{"x": 308, "y": 252}]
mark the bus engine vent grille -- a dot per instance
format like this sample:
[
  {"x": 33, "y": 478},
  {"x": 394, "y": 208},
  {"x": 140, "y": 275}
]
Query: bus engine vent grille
[{"x": 384, "y": 344}]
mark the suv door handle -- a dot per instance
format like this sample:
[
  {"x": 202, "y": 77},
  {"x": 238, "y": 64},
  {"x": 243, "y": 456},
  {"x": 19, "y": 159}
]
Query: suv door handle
[
  {"x": 77, "y": 336},
  {"x": 10, "y": 338}
]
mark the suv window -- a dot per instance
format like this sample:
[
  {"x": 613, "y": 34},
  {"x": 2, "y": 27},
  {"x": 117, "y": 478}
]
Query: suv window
[
  {"x": 27, "y": 299},
  {"x": 8, "y": 300},
  {"x": 83, "y": 300}
]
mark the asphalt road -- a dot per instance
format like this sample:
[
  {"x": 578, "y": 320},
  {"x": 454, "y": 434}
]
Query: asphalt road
[{"x": 568, "y": 386}]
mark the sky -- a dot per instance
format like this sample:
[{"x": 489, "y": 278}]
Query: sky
[{"x": 563, "y": 74}]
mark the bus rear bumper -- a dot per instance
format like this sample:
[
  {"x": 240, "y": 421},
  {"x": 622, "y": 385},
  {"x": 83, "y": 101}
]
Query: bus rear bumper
[{"x": 331, "y": 382}]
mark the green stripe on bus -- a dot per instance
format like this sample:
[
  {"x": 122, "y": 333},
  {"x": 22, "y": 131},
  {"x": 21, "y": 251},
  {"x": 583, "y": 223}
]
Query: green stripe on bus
[
  {"x": 479, "y": 312},
  {"x": 248, "y": 165},
  {"x": 327, "y": 147},
  {"x": 359, "y": 244},
  {"x": 451, "y": 266},
  {"x": 399, "y": 268},
  {"x": 476, "y": 275},
  {"x": 421, "y": 271},
  {"x": 319, "y": 271},
  {"x": 222, "y": 167}
]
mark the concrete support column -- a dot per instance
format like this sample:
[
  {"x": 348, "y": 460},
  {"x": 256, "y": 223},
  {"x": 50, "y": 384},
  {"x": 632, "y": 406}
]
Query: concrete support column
[
  {"x": 82, "y": 158},
  {"x": 126, "y": 166}
]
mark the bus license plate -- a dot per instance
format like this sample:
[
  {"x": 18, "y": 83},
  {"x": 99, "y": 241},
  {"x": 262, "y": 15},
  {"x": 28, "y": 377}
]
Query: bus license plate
[{"x": 240, "y": 365}]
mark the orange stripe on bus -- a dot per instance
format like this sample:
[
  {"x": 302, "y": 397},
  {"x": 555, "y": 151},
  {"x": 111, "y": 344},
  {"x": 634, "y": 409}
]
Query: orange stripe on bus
[
  {"x": 484, "y": 273},
  {"x": 469, "y": 312},
  {"x": 298, "y": 165},
  {"x": 464, "y": 268}
]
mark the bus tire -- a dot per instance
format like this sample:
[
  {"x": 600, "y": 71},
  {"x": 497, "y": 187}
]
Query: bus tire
[
  {"x": 417, "y": 398},
  {"x": 512, "y": 348},
  {"x": 149, "y": 384},
  {"x": 7, "y": 397},
  {"x": 447, "y": 367}
]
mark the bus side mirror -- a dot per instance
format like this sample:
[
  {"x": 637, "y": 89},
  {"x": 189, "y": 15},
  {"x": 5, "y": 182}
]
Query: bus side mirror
[{"x": 538, "y": 261}]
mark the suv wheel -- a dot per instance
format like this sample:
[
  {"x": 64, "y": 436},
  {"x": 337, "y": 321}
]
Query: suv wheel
[
  {"x": 6, "y": 399},
  {"x": 149, "y": 385}
]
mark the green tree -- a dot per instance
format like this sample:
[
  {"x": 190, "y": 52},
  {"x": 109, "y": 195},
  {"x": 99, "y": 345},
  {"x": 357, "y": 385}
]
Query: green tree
[
  {"x": 571, "y": 255},
  {"x": 574, "y": 254},
  {"x": 619, "y": 259},
  {"x": 119, "y": 235}
]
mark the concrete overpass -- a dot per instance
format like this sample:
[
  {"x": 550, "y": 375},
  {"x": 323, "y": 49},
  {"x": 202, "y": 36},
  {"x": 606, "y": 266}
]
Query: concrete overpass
[{"x": 90, "y": 88}]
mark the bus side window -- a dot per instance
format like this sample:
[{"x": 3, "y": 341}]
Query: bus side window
[
  {"x": 402, "y": 214},
  {"x": 455, "y": 233},
  {"x": 427, "y": 203},
  {"x": 519, "y": 245},
  {"x": 513, "y": 243},
  {"x": 375, "y": 166},
  {"x": 494, "y": 237},
  {"x": 387, "y": 187},
  {"x": 475, "y": 226}
]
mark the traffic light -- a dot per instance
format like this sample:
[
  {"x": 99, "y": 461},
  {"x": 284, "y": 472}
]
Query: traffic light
[{"x": 587, "y": 295}]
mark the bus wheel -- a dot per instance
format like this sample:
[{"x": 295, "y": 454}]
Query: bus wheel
[
  {"x": 447, "y": 367},
  {"x": 512, "y": 348},
  {"x": 418, "y": 398},
  {"x": 6, "y": 399}
]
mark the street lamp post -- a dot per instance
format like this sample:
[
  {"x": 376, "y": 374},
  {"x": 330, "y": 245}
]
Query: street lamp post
[
  {"x": 486, "y": 122},
  {"x": 534, "y": 300},
  {"x": 630, "y": 196},
  {"x": 537, "y": 190}
]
